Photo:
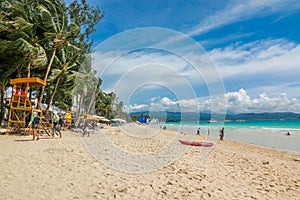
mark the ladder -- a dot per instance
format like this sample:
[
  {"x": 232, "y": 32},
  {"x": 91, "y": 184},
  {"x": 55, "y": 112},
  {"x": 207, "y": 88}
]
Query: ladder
[{"x": 21, "y": 107}]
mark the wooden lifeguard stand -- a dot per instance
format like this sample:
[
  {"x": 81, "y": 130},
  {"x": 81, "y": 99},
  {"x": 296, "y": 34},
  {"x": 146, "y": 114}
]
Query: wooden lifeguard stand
[{"x": 21, "y": 107}]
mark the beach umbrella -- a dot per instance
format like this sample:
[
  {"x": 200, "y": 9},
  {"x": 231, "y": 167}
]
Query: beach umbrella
[
  {"x": 91, "y": 117},
  {"x": 98, "y": 117},
  {"x": 105, "y": 120},
  {"x": 118, "y": 120}
]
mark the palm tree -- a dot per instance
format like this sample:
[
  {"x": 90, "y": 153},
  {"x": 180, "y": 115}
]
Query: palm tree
[
  {"x": 85, "y": 86},
  {"x": 19, "y": 35},
  {"x": 54, "y": 23},
  {"x": 3, "y": 86},
  {"x": 105, "y": 104},
  {"x": 65, "y": 61},
  {"x": 33, "y": 32}
]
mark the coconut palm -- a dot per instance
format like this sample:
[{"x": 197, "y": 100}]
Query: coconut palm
[
  {"x": 85, "y": 85},
  {"x": 105, "y": 104},
  {"x": 19, "y": 38},
  {"x": 57, "y": 31},
  {"x": 65, "y": 62},
  {"x": 34, "y": 32}
]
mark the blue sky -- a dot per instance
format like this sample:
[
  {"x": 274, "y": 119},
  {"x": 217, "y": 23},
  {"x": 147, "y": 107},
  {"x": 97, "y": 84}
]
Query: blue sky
[{"x": 253, "y": 45}]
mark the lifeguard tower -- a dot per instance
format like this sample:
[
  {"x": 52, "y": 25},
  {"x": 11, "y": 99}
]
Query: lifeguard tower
[{"x": 21, "y": 107}]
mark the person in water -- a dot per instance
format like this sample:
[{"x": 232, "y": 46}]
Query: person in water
[{"x": 288, "y": 133}]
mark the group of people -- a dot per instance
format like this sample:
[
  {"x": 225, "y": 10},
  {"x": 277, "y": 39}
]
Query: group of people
[
  {"x": 221, "y": 134},
  {"x": 35, "y": 121}
]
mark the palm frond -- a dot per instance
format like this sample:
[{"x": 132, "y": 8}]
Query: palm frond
[
  {"x": 22, "y": 45},
  {"x": 41, "y": 58},
  {"x": 47, "y": 19}
]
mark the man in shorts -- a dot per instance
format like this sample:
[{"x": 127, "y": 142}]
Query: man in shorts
[
  {"x": 35, "y": 120},
  {"x": 56, "y": 128}
]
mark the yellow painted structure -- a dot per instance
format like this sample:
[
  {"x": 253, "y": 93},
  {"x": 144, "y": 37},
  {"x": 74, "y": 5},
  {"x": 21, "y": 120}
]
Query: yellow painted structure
[{"x": 21, "y": 107}]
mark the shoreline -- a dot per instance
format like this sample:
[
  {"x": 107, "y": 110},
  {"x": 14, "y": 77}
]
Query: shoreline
[
  {"x": 264, "y": 147},
  {"x": 3, "y": 130},
  {"x": 250, "y": 135},
  {"x": 269, "y": 148}
]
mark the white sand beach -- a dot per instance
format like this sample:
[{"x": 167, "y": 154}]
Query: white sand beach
[{"x": 65, "y": 169}]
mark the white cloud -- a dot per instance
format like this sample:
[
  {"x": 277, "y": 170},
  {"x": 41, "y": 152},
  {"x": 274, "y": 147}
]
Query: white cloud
[
  {"x": 237, "y": 11},
  {"x": 291, "y": 89},
  {"x": 136, "y": 107},
  {"x": 224, "y": 38},
  {"x": 257, "y": 51},
  {"x": 167, "y": 104},
  {"x": 165, "y": 69},
  {"x": 236, "y": 102},
  {"x": 131, "y": 61},
  {"x": 241, "y": 102},
  {"x": 270, "y": 65}
]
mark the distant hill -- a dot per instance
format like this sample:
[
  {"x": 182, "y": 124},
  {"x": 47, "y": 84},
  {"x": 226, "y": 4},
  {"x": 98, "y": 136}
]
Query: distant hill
[
  {"x": 254, "y": 116},
  {"x": 190, "y": 116}
]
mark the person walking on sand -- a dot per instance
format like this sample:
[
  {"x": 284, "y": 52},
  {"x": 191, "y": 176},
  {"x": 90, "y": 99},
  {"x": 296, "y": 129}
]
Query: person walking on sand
[
  {"x": 35, "y": 120},
  {"x": 59, "y": 125},
  {"x": 86, "y": 126},
  {"x": 55, "y": 124},
  {"x": 221, "y": 134}
]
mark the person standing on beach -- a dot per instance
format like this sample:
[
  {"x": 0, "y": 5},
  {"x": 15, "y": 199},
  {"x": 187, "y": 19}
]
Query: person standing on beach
[
  {"x": 59, "y": 125},
  {"x": 198, "y": 131},
  {"x": 35, "y": 120},
  {"x": 221, "y": 134},
  {"x": 69, "y": 120},
  {"x": 55, "y": 124},
  {"x": 86, "y": 126}
]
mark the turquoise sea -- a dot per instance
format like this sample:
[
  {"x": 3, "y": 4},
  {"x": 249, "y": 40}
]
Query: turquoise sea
[{"x": 267, "y": 133}]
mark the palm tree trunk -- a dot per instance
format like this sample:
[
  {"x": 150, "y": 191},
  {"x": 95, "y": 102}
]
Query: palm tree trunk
[
  {"x": 77, "y": 106},
  {"x": 92, "y": 103},
  {"x": 53, "y": 94},
  {"x": 2, "y": 105},
  {"x": 28, "y": 70},
  {"x": 80, "y": 104},
  {"x": 47, "y": 73}
]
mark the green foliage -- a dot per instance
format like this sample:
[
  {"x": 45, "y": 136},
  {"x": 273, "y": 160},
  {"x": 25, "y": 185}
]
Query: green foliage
[{"x": 41, "y": 37}]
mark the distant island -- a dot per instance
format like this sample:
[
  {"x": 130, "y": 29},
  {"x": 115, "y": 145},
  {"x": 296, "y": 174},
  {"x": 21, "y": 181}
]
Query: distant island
[{"x": 191, "y": 116}]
